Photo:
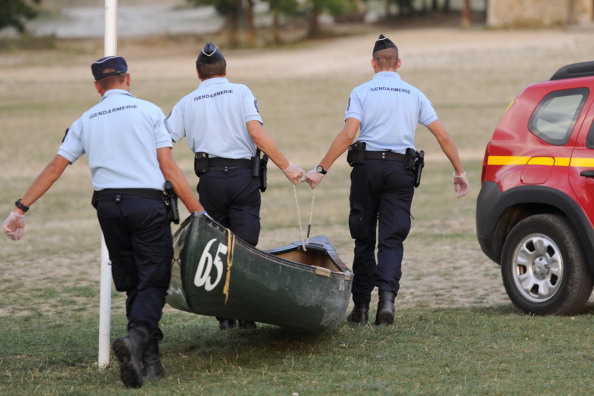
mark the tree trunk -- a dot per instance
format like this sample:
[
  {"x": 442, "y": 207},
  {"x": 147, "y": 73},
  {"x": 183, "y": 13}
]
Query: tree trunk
[
  {"x": 314, "y": 23},
  {"x": 276, "y": 29},
  {"x": 251, "y": 40},
  {"x": 466, "y": 15},
  {"x": 233, "y": 26}
]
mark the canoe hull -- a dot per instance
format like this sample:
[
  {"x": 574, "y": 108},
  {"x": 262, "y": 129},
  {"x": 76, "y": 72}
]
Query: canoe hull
[{"x": 216, "y": 274}]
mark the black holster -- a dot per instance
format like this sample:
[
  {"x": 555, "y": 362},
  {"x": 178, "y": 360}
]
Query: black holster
[
  {"x": 415, "y": 161},
  {"x": 170, "y": 199},
  {"x": 259, "y": 169}
]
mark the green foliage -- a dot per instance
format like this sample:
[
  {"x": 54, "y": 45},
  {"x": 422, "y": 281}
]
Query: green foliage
[
  {"x": 334, "y": 7},
  {"x": 286, "y": 7},
  {"x": 14, "y": 12},
  {"x": 223, "y": 7},
  {"x": 226, "y": 7}
]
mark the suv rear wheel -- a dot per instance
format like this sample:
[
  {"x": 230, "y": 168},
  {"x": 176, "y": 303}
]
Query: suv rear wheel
[{"x": 543, "y": 267}]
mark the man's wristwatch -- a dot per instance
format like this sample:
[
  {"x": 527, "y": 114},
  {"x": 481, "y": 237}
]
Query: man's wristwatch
[
  {"x": 20, "y": 205},
  {"x": 320, "y": 169}
]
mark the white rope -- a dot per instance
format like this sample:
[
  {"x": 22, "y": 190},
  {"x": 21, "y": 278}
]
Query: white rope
[
  {"x": 299, "y": 218},
  {"x": 313, "y": 196}
]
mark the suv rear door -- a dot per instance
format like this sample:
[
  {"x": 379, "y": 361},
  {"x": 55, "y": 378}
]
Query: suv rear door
[{"x": 581, "y": 169}]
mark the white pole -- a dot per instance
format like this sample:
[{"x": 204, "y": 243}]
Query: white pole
[
  {"x": 104, "y": 307},
  {"x": 110, "y": 48},
  {"x": 111, "y": 27}
]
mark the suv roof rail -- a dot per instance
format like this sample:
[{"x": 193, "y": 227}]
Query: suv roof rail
[{"x": 574, "y": 70}]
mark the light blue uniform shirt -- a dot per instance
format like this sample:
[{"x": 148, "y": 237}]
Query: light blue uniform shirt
[
  {"x": 120, "y": 135},
  {"x": 389, "y": 110},
  {"x": 213, "y": 119}
]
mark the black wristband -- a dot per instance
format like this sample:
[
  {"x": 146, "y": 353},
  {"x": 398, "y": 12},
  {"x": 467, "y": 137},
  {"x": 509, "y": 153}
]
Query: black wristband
[{"x": 19, "y": 205}]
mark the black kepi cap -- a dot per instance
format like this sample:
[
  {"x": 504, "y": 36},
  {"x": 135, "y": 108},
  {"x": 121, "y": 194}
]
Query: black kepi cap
[
  {"x": 382, "y": 43},
  {"x": 108, "y": 66},
  {"x": 210, "y": 54}
]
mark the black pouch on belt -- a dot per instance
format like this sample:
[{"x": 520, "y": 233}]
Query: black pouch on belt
[
  {"x": 200, "y": 163},
  {"x": 256, "y": 164},
  {"x": 356, "y": 153},
  {"x": 410, "y": 158}
]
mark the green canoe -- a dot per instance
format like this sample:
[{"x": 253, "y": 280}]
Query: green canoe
[{"x": 216, "y": 274}]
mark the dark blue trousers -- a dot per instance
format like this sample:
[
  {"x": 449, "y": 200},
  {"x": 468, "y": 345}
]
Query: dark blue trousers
[
  {"x": 380, "y": 200},
  {"x": 138, "y": 237},
  {"x": 233, "y": 199}
]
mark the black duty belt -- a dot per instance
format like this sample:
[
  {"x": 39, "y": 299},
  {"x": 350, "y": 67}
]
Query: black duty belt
[
  {"x": 221, "y": 163},
  {"x": 384, "y": 155},
  {"x": 137, "y": 192}
]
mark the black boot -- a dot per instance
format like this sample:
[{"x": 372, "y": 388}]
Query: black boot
[
  {"x": 360, "y": 314},
  {"x": 385, "y": 308},
  {"x": 129, "y": 351},
  {"x": 153, "y": 369},
  {"x": 226, "y": 324},
  {"x": 246, "y": 324}
]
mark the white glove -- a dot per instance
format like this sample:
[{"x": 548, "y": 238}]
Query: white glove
[
  {"x": 313, "y": 178},
  {"x": 461, "y": 184},
  {"x": 14, "y": 226},
  {"x": 294, "y": 173}
]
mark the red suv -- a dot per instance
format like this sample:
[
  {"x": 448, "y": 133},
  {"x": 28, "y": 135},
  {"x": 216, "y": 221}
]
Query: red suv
[{"x": 535, "y": 210}]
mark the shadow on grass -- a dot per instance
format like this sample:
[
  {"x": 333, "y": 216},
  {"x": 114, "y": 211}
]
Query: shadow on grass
[{"x": 203, "y": 341}]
